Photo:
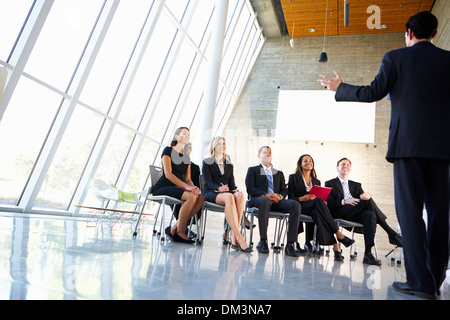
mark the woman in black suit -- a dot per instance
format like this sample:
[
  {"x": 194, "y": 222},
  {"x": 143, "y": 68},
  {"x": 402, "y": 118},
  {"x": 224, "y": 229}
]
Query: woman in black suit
[
  {"x": 219, "y": 187},
  {"x": 299, "y": 185}
]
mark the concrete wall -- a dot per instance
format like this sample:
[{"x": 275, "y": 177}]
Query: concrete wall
[
  {"x": 441, "y": 10},
  {"x": 357, "y": 58},
  {"x": 253, "y": 121}
]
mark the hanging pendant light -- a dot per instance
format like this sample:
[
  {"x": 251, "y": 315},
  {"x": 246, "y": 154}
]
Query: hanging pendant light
[{"x": 323, "y": 55}]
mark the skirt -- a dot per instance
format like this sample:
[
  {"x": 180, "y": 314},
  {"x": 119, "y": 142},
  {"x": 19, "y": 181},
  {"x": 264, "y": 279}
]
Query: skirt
[{"x": 170, "y": 191}]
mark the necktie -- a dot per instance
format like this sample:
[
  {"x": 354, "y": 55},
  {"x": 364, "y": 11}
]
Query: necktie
[
  {"x": 347, "y": 194},
  {"x": 269, "y": 180}
]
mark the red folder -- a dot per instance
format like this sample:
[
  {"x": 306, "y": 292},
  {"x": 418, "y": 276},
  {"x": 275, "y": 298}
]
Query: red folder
[{"x": 320, "y": 192}]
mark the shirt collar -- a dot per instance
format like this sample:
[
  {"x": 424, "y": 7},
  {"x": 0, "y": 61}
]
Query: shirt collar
[{"x": 342, "y": 180}]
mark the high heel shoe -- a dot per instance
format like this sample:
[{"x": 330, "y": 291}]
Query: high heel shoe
[
  {"x": 247, "y": 250},
  {"x": 346, "y": 241},
  {"x": 169, "y": 234},
  {"x": 178, "y": 238},
  {"x": 238, "y": 248}
]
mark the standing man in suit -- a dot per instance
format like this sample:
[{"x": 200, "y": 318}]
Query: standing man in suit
[
  {"x": 348, "y": 201},
  {"x": 416, "y": 78},
  {"x": 267, "y": 190}
]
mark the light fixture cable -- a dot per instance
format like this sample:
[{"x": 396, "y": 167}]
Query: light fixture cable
[{"x": 325, "y": 32}]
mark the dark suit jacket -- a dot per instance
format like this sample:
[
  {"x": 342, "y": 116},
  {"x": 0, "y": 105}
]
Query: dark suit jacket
[
  {"x": 336, "y": 195},
  {"x": 257, "y": 185},
  {"x": 334, "y": 200},
  {"x": 195, "y": 174},
  {"x": 296, "y": 186},
  {"x": 417, "y": 81},
  {"x": 212, "y": 178}
]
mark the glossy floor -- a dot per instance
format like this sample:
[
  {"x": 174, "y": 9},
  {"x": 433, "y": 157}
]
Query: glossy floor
[{"x": 55, "y": 258}]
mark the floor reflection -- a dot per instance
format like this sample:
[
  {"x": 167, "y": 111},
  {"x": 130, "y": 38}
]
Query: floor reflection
[{"x": 55, "y": 258}]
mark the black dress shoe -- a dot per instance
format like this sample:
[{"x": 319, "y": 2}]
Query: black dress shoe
[
  {"x": 338, "y": 256},
  {"x": 289, "y": 250},
  {"x": 299, "y": 249},
  {"x": 370, "y": 259},
  {"x": 346, "y": 241},
  {"x": 263, "y": 247},
  {"x": 404, "y": 288},
  {"x": 396, "y": 240},
  {"x": 308, "y": 247}
]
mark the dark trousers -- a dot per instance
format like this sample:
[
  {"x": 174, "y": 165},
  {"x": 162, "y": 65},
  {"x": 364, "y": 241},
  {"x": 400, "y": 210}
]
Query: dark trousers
[
  {"x": 418, "y": 182},
  {"x": 364, "y": 213},
  {"x": 326, "y": 227},
  {"x": 292, "y": 207}
]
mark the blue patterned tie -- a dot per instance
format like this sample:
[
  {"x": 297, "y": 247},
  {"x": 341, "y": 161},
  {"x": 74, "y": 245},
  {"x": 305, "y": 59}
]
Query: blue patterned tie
[{"x": 270, "y": 180}]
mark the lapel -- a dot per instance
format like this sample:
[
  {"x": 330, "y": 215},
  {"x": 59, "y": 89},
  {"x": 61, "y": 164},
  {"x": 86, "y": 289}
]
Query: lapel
[
  {"x": 339, "y": 187},
  {"x": 262, "y": 174},
  {"x": 215, "y": 167}
]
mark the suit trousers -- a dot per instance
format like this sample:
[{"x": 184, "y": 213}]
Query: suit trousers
[
  {"x": 326, "y": 226},
  {"x": 425, "y": 243},
  {"x": 364, "y": 213},
  {"x": 292, "y": 207}
]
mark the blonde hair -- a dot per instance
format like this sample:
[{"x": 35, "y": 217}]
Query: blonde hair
[{"x": 213, "y": 145}]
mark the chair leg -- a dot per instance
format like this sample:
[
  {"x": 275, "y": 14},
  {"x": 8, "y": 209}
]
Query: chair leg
[
  {"x": 353, "y": 256},
  {"x": 251, "y": 229},
  {"x": 161, "y": 226},
  {"x": 275, "y": 244},
  {"x": 156, "y": 219},
  {"x": 141, "y": 211}
]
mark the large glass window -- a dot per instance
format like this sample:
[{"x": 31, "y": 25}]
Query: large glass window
[
  {"x": 82, "y": 109},
  {"x": 114, "y": 54},
  {"x": 61, "y": 41},
  {"x": 13, "y": 17},
  {"x": 22, "y": 132},
  {"x": 69, "y": 161}
]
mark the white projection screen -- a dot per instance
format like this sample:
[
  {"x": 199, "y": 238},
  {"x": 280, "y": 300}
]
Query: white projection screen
[{"x": 314, "y": 115}]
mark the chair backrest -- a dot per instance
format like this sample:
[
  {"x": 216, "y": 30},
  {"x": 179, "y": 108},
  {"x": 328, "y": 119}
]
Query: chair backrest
[
  {"x": 202, "y": 182},
  {"x": 104, "y": 191},
  {"x": 155, "y": 174}
]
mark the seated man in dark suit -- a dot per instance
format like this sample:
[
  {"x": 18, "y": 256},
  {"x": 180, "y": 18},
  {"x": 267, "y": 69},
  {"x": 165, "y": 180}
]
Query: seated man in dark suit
[
  {"x": 348, "y": 201},
  {"x": 266, "y": 188}
]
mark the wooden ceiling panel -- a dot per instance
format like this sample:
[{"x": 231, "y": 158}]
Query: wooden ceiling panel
[{"x": 303, "y": 16}]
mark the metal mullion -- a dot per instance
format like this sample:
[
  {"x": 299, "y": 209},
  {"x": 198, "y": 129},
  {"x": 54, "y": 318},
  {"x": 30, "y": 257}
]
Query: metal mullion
[
  {"x": 254, "y": 55},
  {"x": 226, "y": 45},
  {"x": 116, "y": 107},
  {"x": 233, "y": 77},
  {"x": 67, "y": 107},
  {"x": 220, "y": 115},
  {"x": 23, "y": 48}
]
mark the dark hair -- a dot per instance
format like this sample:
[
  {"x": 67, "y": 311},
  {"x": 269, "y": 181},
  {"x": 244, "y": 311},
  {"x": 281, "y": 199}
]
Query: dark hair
[
  {"x": 424, "y": 25},
  {"x": 174, "y": 141},
  {"x": 337, "y": 165},
  {"x": 263, "y": 147},
  {"x": 299, "y": 169}
]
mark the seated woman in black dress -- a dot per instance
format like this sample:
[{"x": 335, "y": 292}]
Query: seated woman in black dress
[
  {"x": 220, "y": 188},
  {"x": 300, "y": 183},
  {"x": 176, "y": 182}
]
